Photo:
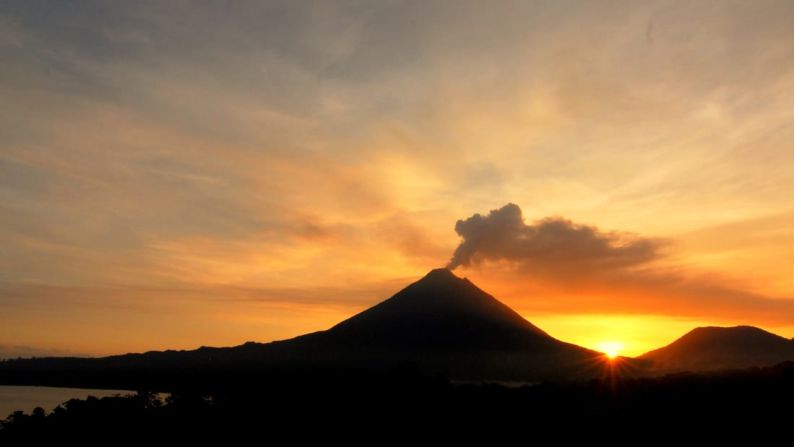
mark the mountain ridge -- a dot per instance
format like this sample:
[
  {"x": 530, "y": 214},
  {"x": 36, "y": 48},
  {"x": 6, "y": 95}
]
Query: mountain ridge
[
  {"x": 441, "y": 324},
  {"x": 711, "y": 348}
]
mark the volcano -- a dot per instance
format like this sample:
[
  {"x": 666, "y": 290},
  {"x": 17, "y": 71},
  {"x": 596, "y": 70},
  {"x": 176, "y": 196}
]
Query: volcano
[{"x": 447, "y": 324}]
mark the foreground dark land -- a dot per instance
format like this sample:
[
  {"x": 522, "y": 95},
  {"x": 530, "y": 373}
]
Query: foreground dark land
[{"x": 404, "y": 402}]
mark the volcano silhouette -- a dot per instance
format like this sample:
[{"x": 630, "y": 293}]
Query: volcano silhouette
[
  {"x": 440, "y": 311},
  {"x": 446, "y": 324},
  {"x": 440, "y": 324}
]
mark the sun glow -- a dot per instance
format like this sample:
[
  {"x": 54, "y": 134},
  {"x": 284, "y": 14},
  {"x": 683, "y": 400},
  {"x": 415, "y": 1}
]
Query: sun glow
[{"x": 610, "y": 348}]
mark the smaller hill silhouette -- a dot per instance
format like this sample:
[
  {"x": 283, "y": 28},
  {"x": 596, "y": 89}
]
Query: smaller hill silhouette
[{"x": 715, "y": 348}]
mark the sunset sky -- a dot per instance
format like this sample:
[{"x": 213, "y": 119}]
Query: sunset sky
[{"x": 177, "y": 174}]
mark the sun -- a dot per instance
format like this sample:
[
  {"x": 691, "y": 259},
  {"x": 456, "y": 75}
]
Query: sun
[{"x": 610, "y": 348}]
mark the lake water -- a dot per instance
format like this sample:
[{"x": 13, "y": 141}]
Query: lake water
[{"x": 26, "y": 398}]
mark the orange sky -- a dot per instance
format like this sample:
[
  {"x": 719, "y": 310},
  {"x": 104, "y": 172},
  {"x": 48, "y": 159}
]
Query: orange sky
[{"x": 174, "y": 176}]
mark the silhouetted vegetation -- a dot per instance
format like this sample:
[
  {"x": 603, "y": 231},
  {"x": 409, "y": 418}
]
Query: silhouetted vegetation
[{"x": 405, "y": 401}]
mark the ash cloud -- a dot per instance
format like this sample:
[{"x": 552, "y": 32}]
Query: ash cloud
[{"x": 550, "y": 244}]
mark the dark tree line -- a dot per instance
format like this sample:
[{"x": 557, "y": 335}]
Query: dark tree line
[{"x": 406, "y": 404}]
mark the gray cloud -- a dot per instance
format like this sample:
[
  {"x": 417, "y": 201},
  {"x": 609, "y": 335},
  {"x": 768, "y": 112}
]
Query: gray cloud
[{"x": 550, "y": 244}]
